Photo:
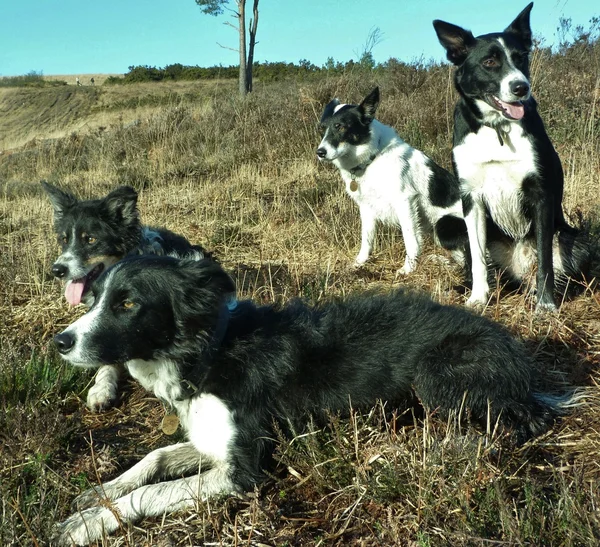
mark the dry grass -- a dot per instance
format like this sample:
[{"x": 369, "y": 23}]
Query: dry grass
[{"x": 240, "y": 177}]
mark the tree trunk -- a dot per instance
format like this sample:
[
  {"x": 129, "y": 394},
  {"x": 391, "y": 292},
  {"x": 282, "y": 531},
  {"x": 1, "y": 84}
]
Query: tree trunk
[
  {"x": 252, "y": 32},
  {"x": 242, "y": 29}
]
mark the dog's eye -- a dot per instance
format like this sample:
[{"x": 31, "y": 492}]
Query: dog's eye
[
  {"x": 338, "y": 126},
  {"x": 64, "y": 239},
  {"x": 127, "y": 304},
  {"x": 91, "y": 240},
  {"x": 490, "y": 62}
]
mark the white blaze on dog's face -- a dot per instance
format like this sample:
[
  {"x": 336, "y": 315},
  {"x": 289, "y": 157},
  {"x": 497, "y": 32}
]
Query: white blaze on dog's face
[{"x": 347, "y": 130}]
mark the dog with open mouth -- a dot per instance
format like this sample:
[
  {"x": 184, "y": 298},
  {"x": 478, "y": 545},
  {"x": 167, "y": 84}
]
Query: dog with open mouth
[
  {"x": 93, "y": 235},
  {"x": 510, "y": 176}
]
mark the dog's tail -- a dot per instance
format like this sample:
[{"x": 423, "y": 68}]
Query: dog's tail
[
  {"x": 579, "y": 250},
  {"x": 544, "y": 408},
  {"x": 451, "y": 232}
]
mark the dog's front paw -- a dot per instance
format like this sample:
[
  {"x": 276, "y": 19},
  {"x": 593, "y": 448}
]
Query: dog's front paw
[
  {"x": 90, "y": 498},
  {"x": 477, "y": 300},
  {"x": 84, "y": 527},
  {"x": 409, "y": 266},
  {"x": 545, "y": 307},
  {"x": 104, "y": 393},
  {"x": 101, "y": 396},
  {"x": 360, "y": 261}
]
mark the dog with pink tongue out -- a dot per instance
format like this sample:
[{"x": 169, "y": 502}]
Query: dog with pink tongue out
[
  {"x": 93, "y": 235},
  {"x": 510, "y": 176}
]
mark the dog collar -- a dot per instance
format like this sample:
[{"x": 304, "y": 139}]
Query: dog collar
[
  {"x": 359, "y": 170},
  {"x": 498, "y": 131}
]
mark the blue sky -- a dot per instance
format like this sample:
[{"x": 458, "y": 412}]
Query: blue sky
[{"x": 86, "y": 36}]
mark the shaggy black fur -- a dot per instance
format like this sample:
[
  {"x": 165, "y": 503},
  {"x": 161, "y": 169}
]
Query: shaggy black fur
[{"x": 279, "y": 365}]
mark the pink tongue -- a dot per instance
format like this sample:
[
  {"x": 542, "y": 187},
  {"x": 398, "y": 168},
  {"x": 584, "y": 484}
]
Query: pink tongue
[
  {"x": 515, "y": 110},
  {"x": 74, "y": 291}
]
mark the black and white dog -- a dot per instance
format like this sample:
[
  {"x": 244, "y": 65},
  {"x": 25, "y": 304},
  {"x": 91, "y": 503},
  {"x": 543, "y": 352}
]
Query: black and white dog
[
  {"x": 511, "y": 178},
  {"x": 230, "y": 375},
  {"x": 390, "y": 181},
  {"x": 93, "y": 235}
]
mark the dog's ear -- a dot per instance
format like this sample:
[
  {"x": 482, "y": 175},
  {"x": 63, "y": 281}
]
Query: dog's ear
[
  {"x": 329, "y": 110},
  {"x": 204, "y": 290},
  {"x": 60, "y": 200},
  {"x": 369, "y": 105},
  {"x": 456, "y": 40},
  {"x": 121, "y": 204},
  {"x": 522, "y": 27}
]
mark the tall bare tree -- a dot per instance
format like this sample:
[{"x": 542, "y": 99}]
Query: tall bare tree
[{"x": 217, "y": 7}]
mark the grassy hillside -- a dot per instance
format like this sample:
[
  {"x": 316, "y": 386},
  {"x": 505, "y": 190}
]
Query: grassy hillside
[{"x": 241, "y": 177}]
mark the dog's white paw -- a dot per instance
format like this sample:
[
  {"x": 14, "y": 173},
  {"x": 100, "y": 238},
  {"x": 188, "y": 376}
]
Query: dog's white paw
[
  {"x": 104, "y": 393},
  {"x": 477, "y": 300},
  {"x": 545, "y": 307},
  {"x": 84, "y": 527},
  {"x": 360, "y": 261},
  {"x": 409, "y": 267},
  {"x": 102, "y": 396},
  {"x": 90, "y": 498}
]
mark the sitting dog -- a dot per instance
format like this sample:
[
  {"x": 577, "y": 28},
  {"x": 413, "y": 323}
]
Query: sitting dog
[
  {"x": 511, "y": 179},
  {"x": 93, "y": 235},
  {"x": 233, "y": 376},
  {"x": 390, "y": 181}
]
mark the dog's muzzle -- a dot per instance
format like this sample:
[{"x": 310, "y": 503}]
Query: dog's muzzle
[{"x": 321, "y": 153}]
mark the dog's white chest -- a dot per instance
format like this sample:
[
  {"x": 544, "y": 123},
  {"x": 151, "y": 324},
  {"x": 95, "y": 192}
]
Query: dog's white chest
[
  {"x": 209, "y": 425},
  {"x": 494, "y": 173}
]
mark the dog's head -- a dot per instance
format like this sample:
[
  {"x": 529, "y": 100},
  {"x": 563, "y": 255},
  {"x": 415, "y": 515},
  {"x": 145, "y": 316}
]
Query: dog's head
[
  {"x": 493, "y": 69},
  {"x": 347, "y": 128},
  {"x": 93, "y": 235},
  {"x": 147, "y": 308}
]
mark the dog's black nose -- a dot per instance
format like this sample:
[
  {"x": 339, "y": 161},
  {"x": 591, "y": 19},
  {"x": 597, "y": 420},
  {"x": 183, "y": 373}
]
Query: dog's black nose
[
  {"x": 64, "y": 342},
  {"x": 519, "y": 88},
  {"x": 59, "y": 270},
  {"x": 321, "y": 152}
]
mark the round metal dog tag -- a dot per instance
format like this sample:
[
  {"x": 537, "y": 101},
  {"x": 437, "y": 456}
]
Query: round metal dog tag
[{"x": 169, "y": 424}]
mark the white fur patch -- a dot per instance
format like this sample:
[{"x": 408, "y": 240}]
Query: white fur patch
[
  {"x": 494, "y": 173},
  {"x": 342, "y": 105},
  {"x": 86, "y": 324},
  {"x": 514, "y": 75},
  {"x": 209, "y": 424},
  {"x": 161, "y": 377}
]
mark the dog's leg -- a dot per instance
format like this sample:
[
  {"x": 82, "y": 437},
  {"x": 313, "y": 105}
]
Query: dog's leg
[
  {"x": 367, "y": 223},
  {"x": 152, "y": 500},
  {"x": 103, "y": 394},
  {"x": 544, "y": 234},
  {"x": 408, "y": 217},
  {"x": 476, "y": 229},
  {"x": 171, "y": 461}
]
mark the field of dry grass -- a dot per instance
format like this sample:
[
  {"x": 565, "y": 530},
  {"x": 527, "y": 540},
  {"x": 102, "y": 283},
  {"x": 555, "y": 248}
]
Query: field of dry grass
[{"x": 241, "y": 177}]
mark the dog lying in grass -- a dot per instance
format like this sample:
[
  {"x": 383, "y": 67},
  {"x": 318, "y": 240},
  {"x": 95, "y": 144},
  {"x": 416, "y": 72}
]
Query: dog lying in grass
[{"x": 236, "y": 375}]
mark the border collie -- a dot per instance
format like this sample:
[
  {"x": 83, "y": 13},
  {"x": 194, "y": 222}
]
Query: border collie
[
  {"x": 232, "y": 376},
  {"x": 511, "y": 178},
  {"x": 93, "y": 235},
  {"x": 390, "y": 181}
]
